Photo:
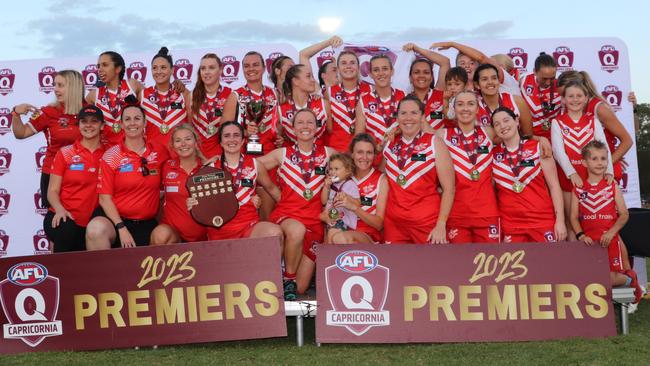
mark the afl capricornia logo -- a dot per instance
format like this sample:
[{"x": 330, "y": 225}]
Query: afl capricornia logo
[
  {"x": 608, "y": 57},
  {"x": 563, "y": 58},
  {"x": 230, "y": 69},
  {"x": 183, "y": 70},
  {"x": 324, "y": 56},
  {"x": 4, "y": 243},
  {"x": 46, "y": 79},
  {"x": 269, "y": 60},
  {"x": 39, "y": 156},
  {"x": 90, "y": 76},
  {"x": 7, "y": 78},
  {"x": 137, "y": 71},
  {"x": 614, "y": 96},
  {"x": 41, "y": 243},
  {"x": 30, "y": 301},
  {"x": 5, "y": 198},
  {"x": 357, "y": 287},
  {"x": 5, "y": 161},
  {"x": 5, "y": 121},
  {"x": 519, "y": 58}
]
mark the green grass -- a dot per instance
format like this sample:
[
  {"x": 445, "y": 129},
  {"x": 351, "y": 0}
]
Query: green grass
[{"x": 633, "y": 349}]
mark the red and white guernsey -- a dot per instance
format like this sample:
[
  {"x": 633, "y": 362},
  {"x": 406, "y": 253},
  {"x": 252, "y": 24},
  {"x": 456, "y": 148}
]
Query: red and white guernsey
[
  {"x": 380, "y": 114},
  {"x": 302, "y": 177},
  {"x": 529, "y": 204},
  {"x": 288, "y": 110},
  {"x": 412, "y": 178},
  {"x": 164, "y": 111},
  {"x": 111, "y": 102},
  {"x": 343, "y": 104},
  {"x": 597, "y": 207},
  {"x": 268, "y": 123},
  {"x": 472, "y": 159},
  {"x": 484, "y": 115},
  {"x": 207, "y": 122},
  {"x": 544, "y": 104},
  {"x": 433, "y": 108},
  {"x": 368, "y": 194},
  {"x": 575, "y": 135}
]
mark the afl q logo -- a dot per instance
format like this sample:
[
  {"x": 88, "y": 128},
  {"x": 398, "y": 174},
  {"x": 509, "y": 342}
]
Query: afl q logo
[
  {"x": 4, "y": 243},
  {"x": 137, "y": 71},
  {"x": 563, "y": 58},
  {"x": 41, "y": 243},
  {"x": 608, "y": 57},
  {"x": 30, "y": 301},
  {"x": 90, "y": 76},
  {"x": 5, "y": 161},
  {"x": 230, "y": 69},
  {"x": 357, "y": 287},
  {"x": 324, "y": 56},
  {"x": 613, "y": 95},
  {"x": 39, "y": 156},
  {"x": 5, "y": 121},
  {"x": 519, "y": 58},
  {"x": 270, "y": 59},
  {"x": 46, "y": 79},
  {"x": 5, "y": 198},
  {"x": 7, "y": 79},
  {"x": 183, "y": 70}
]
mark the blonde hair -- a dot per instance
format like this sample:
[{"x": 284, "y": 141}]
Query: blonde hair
[
  {"x": 505, "y": 61},
  {"x": 187, "y": 127},
  {"x": 74, "y": 92},
  {"x": 581, "y": 77}
]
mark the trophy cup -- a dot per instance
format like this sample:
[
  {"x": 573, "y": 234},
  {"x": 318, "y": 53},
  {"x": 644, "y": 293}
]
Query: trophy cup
[{"x": 254, "y": 114}]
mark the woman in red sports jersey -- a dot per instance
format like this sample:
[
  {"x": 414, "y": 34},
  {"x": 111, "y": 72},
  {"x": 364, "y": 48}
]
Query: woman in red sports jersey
[
  {"x": 58, "y": 121},
  {"x": 474, "y": 217},
  {"x": 247, "y": 173},
  {"x": 165, "y": 107},
  {"x": 176, "y": 224},
  {"x": 416, "y": 162},
  {"x": 211, "y": 104},
  {"x": 539, "y": 90},
  {"x": 111, "y": 95},
  {"x": 301, "y": 172},
  {"x": 528, "y": 192},
  {"x": 300, "y": 91},
  {"x": 618, "y": 139},
  {"x": 73, "y": 184},
  {"x": 129, "y": 187},
  {"x": 370, "y": 208},
  {"x": 421, "y": 77},
  {"x": 279, "y": 68}
]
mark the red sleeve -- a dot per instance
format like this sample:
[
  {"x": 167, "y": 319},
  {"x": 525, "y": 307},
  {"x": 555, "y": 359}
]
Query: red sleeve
[
  {"x": 41, "y": 122},
  {"x": 106, "y": 177},
  {"x": 59, "y": 165}
]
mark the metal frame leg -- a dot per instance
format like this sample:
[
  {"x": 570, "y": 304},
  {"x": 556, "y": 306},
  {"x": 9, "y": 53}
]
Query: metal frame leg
[
  {"x": 625, "y": 326},
  {"x": 300, "y": 337}
]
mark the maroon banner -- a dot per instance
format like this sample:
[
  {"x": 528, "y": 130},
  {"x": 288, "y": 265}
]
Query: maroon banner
[
  {"x": 185, "y": 293},
  {"x": 462, "y": 293}
]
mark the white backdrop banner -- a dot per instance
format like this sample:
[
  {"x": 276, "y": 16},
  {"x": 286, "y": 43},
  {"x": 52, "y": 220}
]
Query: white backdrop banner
[{"x": 31, "y": 81}]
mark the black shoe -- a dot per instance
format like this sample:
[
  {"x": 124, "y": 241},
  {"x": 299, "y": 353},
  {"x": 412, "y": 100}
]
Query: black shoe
[{"x": 290, "y": 290}]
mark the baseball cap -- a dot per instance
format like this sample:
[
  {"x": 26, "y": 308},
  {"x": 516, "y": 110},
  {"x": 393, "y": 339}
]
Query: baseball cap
[{"x": 91, "y": 110}]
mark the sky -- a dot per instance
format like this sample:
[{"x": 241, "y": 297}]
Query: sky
[{"x": 66, "y": 28}]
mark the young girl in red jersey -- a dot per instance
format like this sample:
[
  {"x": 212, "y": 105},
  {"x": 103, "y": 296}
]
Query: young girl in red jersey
[
  {"x": 301, "y": 172},
  {"x": 58, "y": 121},
  {"x": 416, "y": 162},
  {"x": 618, "y": 139},
  {"x": 211, "y": 104},
  {"x": 247, "y": 174},
  {"x": 539, "y": 90},
  {"x": 176, "y": 223},
  {"x": 110, "y": 96},
  {"x": 421, "y": 77},
  {"x": 571, "y": 131},
  {"x": 528, "y": 192},
  {"x": 72, "y": 191},
  {"x": 598, "y": 213},
  {"x": 300, "y": 92},
  {"x": 486, "y": 82},
  {"x": 165, "y": 107},
  {"x": 474, "y": 217}
]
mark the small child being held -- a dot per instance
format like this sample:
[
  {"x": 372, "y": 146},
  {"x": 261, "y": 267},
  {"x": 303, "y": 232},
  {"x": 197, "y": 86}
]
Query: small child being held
[
  {"x": 339, "y": 180},
  {"x": 598, "y": 213}
]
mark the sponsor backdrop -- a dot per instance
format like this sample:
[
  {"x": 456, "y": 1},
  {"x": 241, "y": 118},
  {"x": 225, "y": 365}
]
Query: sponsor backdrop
[
  {"x": 160, "y": 295},
  {"x": 462, "y": 293},
  {"x": 606, "y": 59}
]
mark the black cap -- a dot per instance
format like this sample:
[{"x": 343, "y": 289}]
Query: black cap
[{"x": 91, "y": 110}]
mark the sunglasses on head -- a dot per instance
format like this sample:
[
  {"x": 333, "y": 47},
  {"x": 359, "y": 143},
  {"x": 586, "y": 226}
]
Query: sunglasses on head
[{"x": 143, "y": 167}]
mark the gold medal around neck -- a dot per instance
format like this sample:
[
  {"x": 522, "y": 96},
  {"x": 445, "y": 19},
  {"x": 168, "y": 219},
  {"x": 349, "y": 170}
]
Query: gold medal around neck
[
  {"x": 164, "y": 128},
  {"x": 333, "y": 214},
  {"x": 212, "y": 130},
  {"x": 546, "y": 125},
  {"x": 475, "y": 175},
  {"x": 518, "y": 187},
  {"x": 261, "y": 127},
  {"x": 308, "y": 194},
  {"x": 116, "y": 128},
  {"x": 401, "y": 180}
]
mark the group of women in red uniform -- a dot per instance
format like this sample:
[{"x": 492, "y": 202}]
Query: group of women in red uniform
[{"x": 457, "y": 159}]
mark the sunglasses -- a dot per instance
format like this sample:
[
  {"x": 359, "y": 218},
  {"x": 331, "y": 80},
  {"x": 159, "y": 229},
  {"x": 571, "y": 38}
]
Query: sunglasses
[{"x": 143, "y": 167}]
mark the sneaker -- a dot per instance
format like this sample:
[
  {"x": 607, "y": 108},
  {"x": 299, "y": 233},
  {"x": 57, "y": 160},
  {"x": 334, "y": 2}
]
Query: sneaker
[
  {"x": 290, "y": 290},
  {"x": 638, "y": 291}
]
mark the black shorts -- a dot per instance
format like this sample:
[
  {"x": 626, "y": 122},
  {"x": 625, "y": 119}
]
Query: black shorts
[
  {"x": 67, "y": 236},
  {"x": 140, "y": 229},
  {"x": 45, "y": 182}
]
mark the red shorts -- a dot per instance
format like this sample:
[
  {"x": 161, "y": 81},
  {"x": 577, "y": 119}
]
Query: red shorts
[
  {"x": 613, "y": 250},
  {"x": 231, "y": 230},
  {"x": 188, "y": 233},
  {"x": 406, "y": 233},
  {"x": 314, "y": 234},
  {"x": 484, "y": 233},
  {"x": 533, "y": 235}
]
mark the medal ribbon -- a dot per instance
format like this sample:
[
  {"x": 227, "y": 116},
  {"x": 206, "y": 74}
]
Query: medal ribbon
[
  {"x": 388, "y": 119},
  {"x": 489, "y": 110},
  {"x": 163, "y": 102},
  {"x": 113, "y": 101},
  {"x": 346, "y": 102},
  {"x": 472, "y": 151},
  {"x": 306, "y": 173},
  {"x": 403, "y": 158},
  {"x": 239, "y": 169},
  {"x": 210, "y": 107},
  {"x": 514, "y": 165}
]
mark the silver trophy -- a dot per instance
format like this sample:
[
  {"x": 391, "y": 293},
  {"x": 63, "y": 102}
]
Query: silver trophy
[{"x": 254, "y": 114}]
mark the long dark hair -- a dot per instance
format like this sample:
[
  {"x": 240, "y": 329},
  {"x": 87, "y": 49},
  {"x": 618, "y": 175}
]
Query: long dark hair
[
  {"x": 118, "y": 61},
  {"x": 198, "y": 94},
  {"x": 164, "y": 53}
]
